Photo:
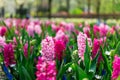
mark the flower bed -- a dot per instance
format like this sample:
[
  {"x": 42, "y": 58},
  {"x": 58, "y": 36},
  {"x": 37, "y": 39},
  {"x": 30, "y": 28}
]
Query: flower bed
[{"x": 45, "y": 50}]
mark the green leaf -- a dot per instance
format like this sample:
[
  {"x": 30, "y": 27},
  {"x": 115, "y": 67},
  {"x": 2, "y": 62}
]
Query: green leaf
[
  {"x": 93, "y": 64},
  {"x": 26, "y": 74},
  {"x": 80, "y": 73},
  {"x": 87, "y": 57},
  {"x": 117, "y": 49},
  {"x": 63, "y": 69},
  {"x": 118, "y": 78},
  {"x": 106, "y": 63}
]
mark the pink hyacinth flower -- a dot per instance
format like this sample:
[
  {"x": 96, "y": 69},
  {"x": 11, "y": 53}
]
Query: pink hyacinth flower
[
  {"x": 60, "y": 35},
  {"x": 30, "y": 30},
  {"x": 48, "y": 51},
  {"x": 86, "y": 30},
  {"x": 3, "y": 30},
  {"x": 46, "y": 70},
  {"x": 103, "y": 30},
  {"x": 96, "y": 30},
  {"x": 2, "y": 43},
  {"x": 96, "y": 46},
  {"x": 116, "y": 68},
  {"x": 59, "y": 48},
  {"x": 9, "y": 58},
  {"x": 69, "y": 27},
  {"x": 25, "y": 49},
  {"x": 81, "y": 41},
  {"x": 38, "y": 29}
]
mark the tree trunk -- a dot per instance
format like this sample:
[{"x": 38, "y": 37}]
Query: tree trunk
[
  {"x": 89, "y": 5},
  {"x": 98, "y": 8},
  {"x": 68, "y": 5},
  {"x": 50, "y": 8}
]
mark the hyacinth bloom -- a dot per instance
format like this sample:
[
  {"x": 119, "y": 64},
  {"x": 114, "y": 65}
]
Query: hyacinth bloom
[
  {"x": 2, "y": 43},
  {"x": 116, "y": 68},
  {"x": 60, "y": 35},
  {"x": 8, "y": 22},
  {"x": 89, "y": 42},
  {"x": 47, "y": 23},
  {"x": 38, "y": 29},
  {"x": 25, "y": 49},
  {"x": 48, "y": 51},
  {"x": 30, "y": 30},
  {"x": 9, "y": 58},
  {"x": 80, "y": 25},
  {"x": 62, "y": 24},
  {"x": 96, "y": 46},
  {"x": 96, "y": 29},
  {"x": 81, "y": 41},
  {"x": 103, "y": 29},
  {"x": 69, "y": 27},
  {"x": 112, "y": 31},
  {"x": 46, "y": 70},
  {"x": 3, "y": 31},
  {"x": 86, "y": 30},
  {"x": 24, "y": 23},
  {"x": 59, "y": 48},
  {"x": 54, "y": 27}
]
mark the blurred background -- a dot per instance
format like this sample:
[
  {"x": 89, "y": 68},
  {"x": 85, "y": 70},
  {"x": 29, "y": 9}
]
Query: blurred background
[{"x": 60, "y": 8}]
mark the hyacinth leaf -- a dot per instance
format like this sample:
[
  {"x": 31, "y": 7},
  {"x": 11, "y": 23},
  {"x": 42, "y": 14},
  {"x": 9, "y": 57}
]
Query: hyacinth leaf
[
  {"x": 106, "y": 63},
  {"x": 23, "y": 35},
  {"x": 63, "y": 69},
  {"x": 26, "y": 73},
  {"x": 80, "y": 73},
  {"x": 93, "y": 64},
  {"x": 118, "y": 78},
  {"x": 87, "y": 57},
  {"x": 50, "y": 31},
  {"x": 75, "y": 36},
  {"x": 117, "y": 50},
  {"x": 28, "y": 40}
]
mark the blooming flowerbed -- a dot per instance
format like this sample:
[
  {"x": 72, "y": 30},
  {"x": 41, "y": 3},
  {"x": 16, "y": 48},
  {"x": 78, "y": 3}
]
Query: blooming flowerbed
[{"x": 45, "y": 50}]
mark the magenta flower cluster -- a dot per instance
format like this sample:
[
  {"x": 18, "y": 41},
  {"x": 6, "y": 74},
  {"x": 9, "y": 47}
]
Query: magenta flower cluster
[
  {"x": 116, "y": 68},
  {"x": 9, "y": 58},
  {"x": 46, "y": 70}
]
